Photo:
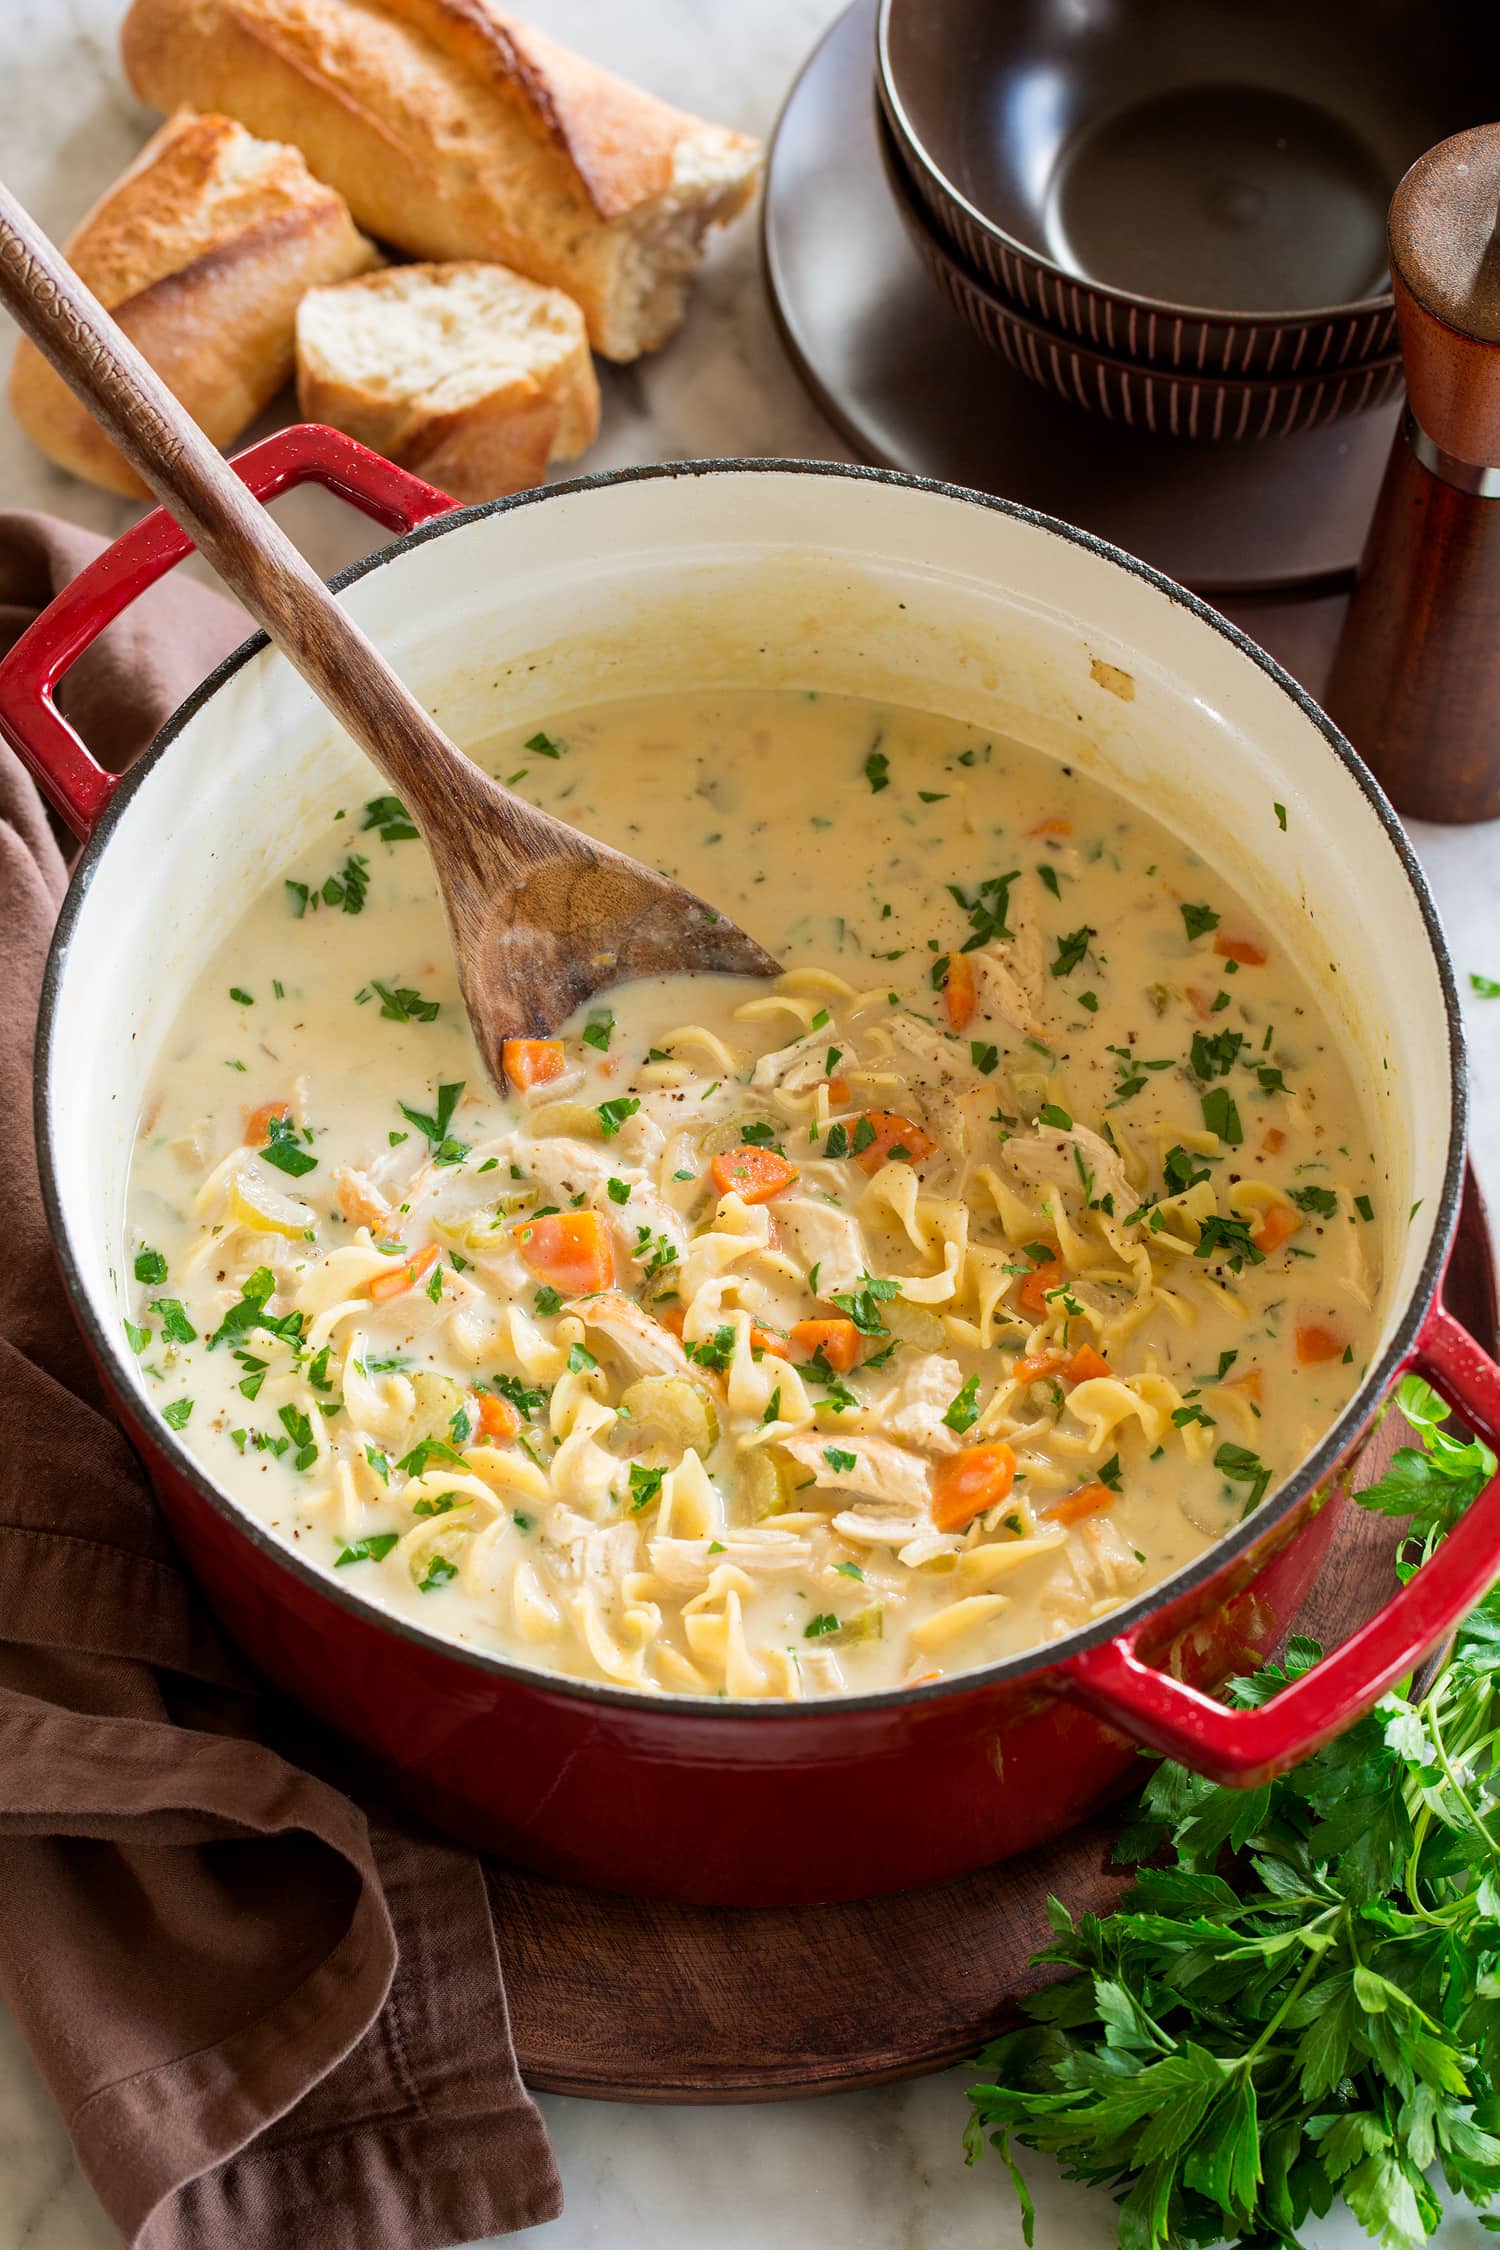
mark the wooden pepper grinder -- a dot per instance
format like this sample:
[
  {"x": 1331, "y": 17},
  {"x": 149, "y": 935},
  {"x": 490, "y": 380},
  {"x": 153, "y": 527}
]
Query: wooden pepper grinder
[{"x": 1416, "y": 679}]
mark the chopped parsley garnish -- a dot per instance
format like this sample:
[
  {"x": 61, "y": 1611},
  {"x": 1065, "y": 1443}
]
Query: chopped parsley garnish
[
  {"x": 1229, "y": 1239},
  {"x": 348, "y": 887},
  {"x": 841, "y": 1463},
  {"x": 861, "y": 1305},
  {"x": 1058, "y": 1119},
  {"x": 619, "y": 1191},
  {"x": 773, "y": 1409},
  {"x": 612, "y": 1115},
  {"x": 241, "y": 997},
  {"x": 1488, "y": 988},
  {"x": 1215, "y": 1054},
  {"x": 425, "y": 1451},
  {"x": 545, "y": 746},
  {"x": 378, "y": 1463},
  {"x": 399, "y": 1004},
  {"x": 849, "y": 1570},
  {"x": 434, "y": 1126},
  {"x": 985, "y": 1059},
  {"x": 1280, "y": 812},
  {"x": 987, "y": 909},
  {"x": 1180, "y": 1172},
  {"x": 1270, "y": 1078},
  {"x": 1364, "y": 1207},
  {"x": 548, "y": 1300},
  {"x": 645, "y": 1486},
  {"x": 1220, "y": 1116},
  {"x": 1183, "y": 1415},
  {"x": 438, "y": 1572},
  {"x": 443, "y": 1505},
  {"x": 878, "y": 771},
  {"x": 1049, "y": 877},
  {"x": 816, "y": 1627},
  {"x": 299, "y": 1429},
  {"x": 1243, "y": 1467},
  {"x": 599, "y": 1030},
  {"x": 390, "y": 818},
  {"x": 285, "y": 1148},
  {"x": 373, "y": 1549},
  {"x": 150, "y": 1266},
  {"x": 761, "y": 1133},
  {"x": 1321, "y": 1202},
  {"x": 175, "y": 1415},
  {"x": 580, "y": 1361},
  {"x": 715, "y": 1351},
  {"x": 837, "y": 1141},
  {"x": 963, "y": 1408},
  {"x": 1071, "y": 950},
  {"x": 176, "y": 1328},
  {"x": 1089, "y": 1000},
  {"x": 1199, "y": 920}
]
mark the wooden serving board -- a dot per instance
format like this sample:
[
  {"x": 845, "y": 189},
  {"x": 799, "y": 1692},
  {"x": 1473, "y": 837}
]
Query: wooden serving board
[{"x": 637, "y": 2000}]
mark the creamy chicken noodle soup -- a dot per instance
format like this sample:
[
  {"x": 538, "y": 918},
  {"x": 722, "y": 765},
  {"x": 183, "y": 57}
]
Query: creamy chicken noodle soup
[{"x": 767, "y": 1340}]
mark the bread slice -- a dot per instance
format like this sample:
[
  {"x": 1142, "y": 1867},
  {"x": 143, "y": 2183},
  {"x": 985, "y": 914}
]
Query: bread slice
[
  {"x": 468, "y": 374},
  {"x": 201, "y": 250},
  {"x": 456, "y": 132}
]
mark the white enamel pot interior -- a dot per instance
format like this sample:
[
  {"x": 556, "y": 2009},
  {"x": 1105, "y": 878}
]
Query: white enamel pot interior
[{"x": 770, "y": 575}]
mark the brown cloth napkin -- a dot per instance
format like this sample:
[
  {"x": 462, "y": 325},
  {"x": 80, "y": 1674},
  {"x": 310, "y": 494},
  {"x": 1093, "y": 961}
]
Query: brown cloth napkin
[{"x": 269, "y": 2012}]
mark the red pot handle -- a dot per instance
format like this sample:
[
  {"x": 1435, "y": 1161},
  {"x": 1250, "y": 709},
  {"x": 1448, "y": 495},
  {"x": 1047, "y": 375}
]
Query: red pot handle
[
  {"x": 1245, "y": 1748},
  {"x": 73, "y": 782}
]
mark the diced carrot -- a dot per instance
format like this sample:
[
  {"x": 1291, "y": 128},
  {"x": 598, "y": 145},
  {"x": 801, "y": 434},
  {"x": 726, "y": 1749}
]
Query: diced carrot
[
  {"x": 1277, "y": 1224},
  {"x": 968, "y": 1483},
  {"x": 532, "y": 1062},
  {"x": 1315, "y": 1344},
  {"x": 1085, "y": 1364},
  {"x": 838, "y": 1092},
  {"x": 769, "y": 1340},
  {"x": 960, "y": 993},
  {"x": 1088, "y": 1500},
  {"x": 1252, "y": 1383},
  {"x": 670, "y": 1317},
  {"x": 1241, "y": 949},
  {"x": 753, "y": 1174},
  {"x": 1054, "y": 825},
  {"x": 498, "y": 1419},
  {"x": 258, "y": 1122},
  {"x": 1273, "y": 1141},
  {"x": 923, "y": 1679},
  {"x": 569, "y": 1250},
  {"x": 1201, "y": 1002},
  {"x": 1048, "y": 1275},
  {"x": 836, "y": 1340},
  {"x": 892, "y": 1132},
  {"x": 1035, "y": 1367},
  {"x": 405, "y": 1276}
]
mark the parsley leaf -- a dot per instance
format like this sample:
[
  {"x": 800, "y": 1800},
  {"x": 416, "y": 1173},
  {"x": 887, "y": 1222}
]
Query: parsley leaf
[
  {"x": 1199, "y": 920},
  {"x": 389, "y": 818}
]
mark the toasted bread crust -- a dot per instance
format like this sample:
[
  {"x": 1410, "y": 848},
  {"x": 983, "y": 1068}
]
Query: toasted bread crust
[
  {"x": 201, "y": 250},
  {"x": 477, "y": 421},
  {"x": 454, "y": 131}
]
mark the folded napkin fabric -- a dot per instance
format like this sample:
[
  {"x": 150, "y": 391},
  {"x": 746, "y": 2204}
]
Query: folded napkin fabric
[{"x": 269, "y": 2011}]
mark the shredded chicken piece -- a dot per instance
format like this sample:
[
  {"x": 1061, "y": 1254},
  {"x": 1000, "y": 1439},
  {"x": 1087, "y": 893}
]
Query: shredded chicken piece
[
  {"x": 564, "y": 1168},
  {"x": 879, "y": 1470},
  {"x": 1012, "y": 974},
  {"x": 645, "y": 1346},
  {"x": 818, "y": 1235},
  {"x": 913, "y": 1408},
  {"x": 1040, "y": 1158},
  {"x": 762, "y": 1554},
  {"x": 360, "y": 1199},
  {"x": 786, "y": 1066}
]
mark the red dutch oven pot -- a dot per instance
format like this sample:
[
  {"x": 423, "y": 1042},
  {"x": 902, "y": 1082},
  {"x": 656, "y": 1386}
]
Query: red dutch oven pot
[{"x": 761, "y": 573}]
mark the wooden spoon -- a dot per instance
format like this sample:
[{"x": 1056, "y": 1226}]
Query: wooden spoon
[{"x": 540, "y": 916}]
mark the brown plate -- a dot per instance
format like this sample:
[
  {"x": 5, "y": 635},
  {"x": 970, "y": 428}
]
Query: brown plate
[
  {"x": 643, "y": 2001},
  {"x": 906, "y": 383}
]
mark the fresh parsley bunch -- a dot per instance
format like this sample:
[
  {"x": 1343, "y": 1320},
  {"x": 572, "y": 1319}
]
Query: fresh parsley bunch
[{"x": 1299, "y": 1999}]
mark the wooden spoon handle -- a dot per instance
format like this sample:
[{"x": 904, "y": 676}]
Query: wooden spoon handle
[{"x": 249, "y": 550}]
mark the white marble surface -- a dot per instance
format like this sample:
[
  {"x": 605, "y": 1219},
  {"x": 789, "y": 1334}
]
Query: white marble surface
[{"x": 875, "y": 2171}]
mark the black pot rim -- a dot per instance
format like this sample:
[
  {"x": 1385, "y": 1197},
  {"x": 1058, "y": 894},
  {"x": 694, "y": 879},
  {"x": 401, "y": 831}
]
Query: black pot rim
[
  {"x": 709, "y": 1711},
  {"x": 921, "y": 159}
]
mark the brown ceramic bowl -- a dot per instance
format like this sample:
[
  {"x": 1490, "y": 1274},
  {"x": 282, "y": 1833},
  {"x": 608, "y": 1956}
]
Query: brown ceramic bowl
[
  {"x": 1191, "y": 184},
  {"x": 1173, "y": 402}
]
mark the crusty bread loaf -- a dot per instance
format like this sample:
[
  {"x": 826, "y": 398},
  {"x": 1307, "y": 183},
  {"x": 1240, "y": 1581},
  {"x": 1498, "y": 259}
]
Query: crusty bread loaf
[
  {"x": 201, "y": 251},
  {"x": 468, "y": 374},
  {"x": 456, "y": 132}
]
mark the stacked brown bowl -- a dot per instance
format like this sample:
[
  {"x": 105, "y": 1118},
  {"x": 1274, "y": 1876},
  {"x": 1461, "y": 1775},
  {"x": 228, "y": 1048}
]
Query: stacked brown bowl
[{"x": 1173, "y": 211}]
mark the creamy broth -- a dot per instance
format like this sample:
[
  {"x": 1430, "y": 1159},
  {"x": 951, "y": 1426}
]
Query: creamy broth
[{"x": 778, "y": 1340}]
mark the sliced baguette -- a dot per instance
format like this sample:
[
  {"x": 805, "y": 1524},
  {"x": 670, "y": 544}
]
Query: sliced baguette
[
  {"x": 456, "y": 132},
  {"x": 468, "y": 374},
  {"x": 201, "y": 250}
]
